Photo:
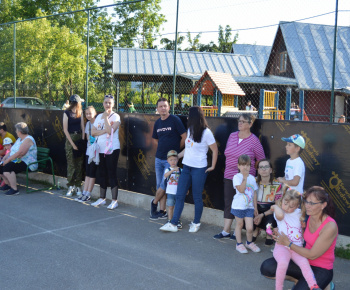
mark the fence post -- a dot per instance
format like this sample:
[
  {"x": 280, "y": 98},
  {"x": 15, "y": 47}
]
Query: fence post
[
  {"x": 14, "y": 64},
  {"x": 175, "y": 52},
  {"x": 235, "y": 101},
  {"x": 277, "y": 98},
  {"x": 199, "y": 96},
  {"x": 219, "y": 104},
  {"x": 87, "y": 61},
  {"x": 334, "y": 54},
  {"x": 301, "y": 104},
  {"x": 215, "y": 97},
  {"x": 288, "y": 101},
  {"x": 261, "y": 104}
]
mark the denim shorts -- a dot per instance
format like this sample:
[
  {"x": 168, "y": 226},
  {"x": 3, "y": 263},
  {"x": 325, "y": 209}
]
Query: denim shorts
[
  {"x": 242, "y": 213},
  {"x": 170, "y": 199}
]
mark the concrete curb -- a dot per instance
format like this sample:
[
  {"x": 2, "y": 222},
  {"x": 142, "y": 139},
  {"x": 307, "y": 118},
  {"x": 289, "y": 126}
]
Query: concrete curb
[{"x": 210, "y": 216}]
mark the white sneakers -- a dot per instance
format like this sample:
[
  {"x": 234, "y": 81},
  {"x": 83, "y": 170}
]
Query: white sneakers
[
  {"x": 70, "y": 191},
  {"x": 113, "y": 205},
  {"x": 78, "y": 191},
  {"x": 169, "y": 227},
  {"x": 98, "y": 202},
  {"x": 194, "y": 227}
]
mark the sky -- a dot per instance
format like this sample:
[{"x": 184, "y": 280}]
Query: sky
[{"x": 247, "y": 17}]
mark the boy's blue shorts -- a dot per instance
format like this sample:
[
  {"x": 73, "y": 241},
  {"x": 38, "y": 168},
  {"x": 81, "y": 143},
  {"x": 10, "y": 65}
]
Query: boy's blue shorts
[
  {"x": 242, "y": 213},
  {"x": 170, "y": 200}
]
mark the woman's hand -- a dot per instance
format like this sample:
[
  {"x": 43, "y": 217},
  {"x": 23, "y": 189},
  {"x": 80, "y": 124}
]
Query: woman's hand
[
  {"x": 75, "y": 147},
  {"x": 258, "y": 219},
  {"x": 211, "y": 168},
  {"x": 256, "y": 213},
  {"x": 281, "y": 239}
]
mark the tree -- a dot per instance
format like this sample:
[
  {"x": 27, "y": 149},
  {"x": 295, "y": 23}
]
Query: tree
[
  {"x": 170, "y": 44},
  {"x": 224, "y": 40},
  {"x": 138, "y": 23},
  {"x": 194, "y": 43}
]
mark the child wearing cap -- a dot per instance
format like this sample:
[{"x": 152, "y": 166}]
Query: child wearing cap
[
  {"x": 171, "y": 179},
  {"x": 7, "y": 144},
  {"x": 294, "y": 173}
]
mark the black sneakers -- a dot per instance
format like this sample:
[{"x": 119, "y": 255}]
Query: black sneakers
[
  {"x": 12, "y": 192},
  {"x": 5, "y": 187}
]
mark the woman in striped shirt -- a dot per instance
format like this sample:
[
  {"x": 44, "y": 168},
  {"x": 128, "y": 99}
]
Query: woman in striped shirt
[{"x": 238, "y": 143}]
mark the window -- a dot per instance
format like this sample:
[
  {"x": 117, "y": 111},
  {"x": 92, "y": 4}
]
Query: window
[{"x": 283, "y": 61}]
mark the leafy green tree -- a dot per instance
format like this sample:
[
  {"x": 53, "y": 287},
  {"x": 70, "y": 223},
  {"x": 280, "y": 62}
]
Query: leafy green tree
[
  {"x": 225, "y": 41},
  {"x": 194, "y": 43},
  {"x": 170, "y": 44},
  {"x": 138, "y": 23}
]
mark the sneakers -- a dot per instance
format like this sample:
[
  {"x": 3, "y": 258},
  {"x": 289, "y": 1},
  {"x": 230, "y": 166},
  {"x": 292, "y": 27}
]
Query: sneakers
[
  {"x": 11, "y": 191},
  {"x": 153, "y": 210},
  {"x": 70, "y": 191},
  {"x": 179, "y": 225},
  {"x": 233, "y": 237},
  {"x": 85, "y": 198},
  {"x": 253, "y": 247},
  {"x": 79, "y": 198},
  {"x": 154, "y": 216},
  {"x": 194, "y": 227},
  {"x": 78, "y": 191},
  {"x": 5, "y": 187},
  {"x": 162, "y": 215},
  {"x": 221, "y": 236},
  {"x": 169, "y": 227},
  {"x": 242, "y": 249},
  {"x": 113, "y": 205},
  {"x": 98, "y": 202}
]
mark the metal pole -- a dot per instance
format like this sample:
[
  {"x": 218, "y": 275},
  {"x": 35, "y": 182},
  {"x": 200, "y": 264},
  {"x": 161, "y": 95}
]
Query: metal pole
[
  {"x": 87, "y": 62},
  {"x": 14, "y": 64},
  {"x": 175, "y": 52},
  {"x": 334, "y": 55}
]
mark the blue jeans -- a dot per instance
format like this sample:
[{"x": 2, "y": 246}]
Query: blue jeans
[
  {"x": 160, "y": 166},
  {"x": 196, "y": 177}
]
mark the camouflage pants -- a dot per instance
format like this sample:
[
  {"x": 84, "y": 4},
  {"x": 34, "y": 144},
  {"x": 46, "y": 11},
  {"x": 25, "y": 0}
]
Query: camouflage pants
[{"x": 74, "y": 165}]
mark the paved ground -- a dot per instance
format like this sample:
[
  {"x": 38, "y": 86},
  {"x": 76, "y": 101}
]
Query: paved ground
[{"x": 48, "y": 241}]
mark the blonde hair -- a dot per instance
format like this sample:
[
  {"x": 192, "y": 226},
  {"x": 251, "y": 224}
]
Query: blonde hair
[
  {"x": 92, "y": 108},
  {"x": 290, "y": 194}
]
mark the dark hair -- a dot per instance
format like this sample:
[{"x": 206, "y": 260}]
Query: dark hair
[
  {"x": 300, "y": 149},
  {"x": 321, "y": 195},
  {"x": 249, "y": 117},
  {"x": 244, "y": 159},
  {"x": 258, "y": 179},
  {"x": 3, "y": 126},
  {"x": 78, "y": 106},
  {"x": 161, "y": 100},
  {"x": 196, "y": 123}
]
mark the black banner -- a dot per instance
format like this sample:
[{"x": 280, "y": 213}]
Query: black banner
[{"x": 326, "y": 155}]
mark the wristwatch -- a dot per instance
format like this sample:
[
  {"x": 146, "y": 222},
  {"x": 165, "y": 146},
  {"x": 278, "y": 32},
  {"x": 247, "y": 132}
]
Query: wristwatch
[{"x": 291, "y": 243}]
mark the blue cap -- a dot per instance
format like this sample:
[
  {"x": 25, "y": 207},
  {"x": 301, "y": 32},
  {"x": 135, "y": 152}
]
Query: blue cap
[{"x": 296, "y": 139}]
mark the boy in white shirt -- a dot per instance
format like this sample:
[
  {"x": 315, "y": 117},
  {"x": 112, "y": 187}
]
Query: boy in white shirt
[
  {"x": 171, "y": 179},
  {"x": 294, "y": 173}
]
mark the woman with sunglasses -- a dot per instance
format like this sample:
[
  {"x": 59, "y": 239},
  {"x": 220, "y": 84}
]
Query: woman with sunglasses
[
  {"x": 106, "y": 132},
  {"x": 320, "y": 237},
  {"x": 240, "y": 142},
  {"x": 269, "y": 191}
]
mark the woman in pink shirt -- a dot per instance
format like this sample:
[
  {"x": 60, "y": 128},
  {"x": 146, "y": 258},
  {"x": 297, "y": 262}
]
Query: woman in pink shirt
[
  {"x": 320, "y": 236},
  {"x": 240, "y": 142}
]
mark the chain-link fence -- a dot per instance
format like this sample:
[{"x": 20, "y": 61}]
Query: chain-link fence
[{"x": 229, "y": 60}]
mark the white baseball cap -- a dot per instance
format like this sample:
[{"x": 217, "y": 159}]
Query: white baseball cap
[{"x": 7, "y": 141}]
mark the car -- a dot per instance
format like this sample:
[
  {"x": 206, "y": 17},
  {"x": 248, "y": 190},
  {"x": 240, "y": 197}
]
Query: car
[{"x": 28, "y": 103}]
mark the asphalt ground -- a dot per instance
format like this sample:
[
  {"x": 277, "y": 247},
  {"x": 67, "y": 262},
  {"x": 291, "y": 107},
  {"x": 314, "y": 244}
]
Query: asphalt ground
[{"x": 49, "y": 241}]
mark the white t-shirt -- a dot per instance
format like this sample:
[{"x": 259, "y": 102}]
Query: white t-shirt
[
  {"x": 196, "y": 153},
  {"x": 295, "y": 167},
  {"x": 102, "y": 139},
  {"x": 291, "y": 226},
  {"x": 244, "y": 200},
  {"x": 173, "y": 181}
]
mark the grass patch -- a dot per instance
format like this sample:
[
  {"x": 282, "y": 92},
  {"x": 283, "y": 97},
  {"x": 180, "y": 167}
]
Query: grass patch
[{"x": 343, "y": 252}]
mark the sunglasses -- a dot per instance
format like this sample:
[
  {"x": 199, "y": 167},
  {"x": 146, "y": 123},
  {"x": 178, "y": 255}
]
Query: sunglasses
[{"x": 109, "y": 97}]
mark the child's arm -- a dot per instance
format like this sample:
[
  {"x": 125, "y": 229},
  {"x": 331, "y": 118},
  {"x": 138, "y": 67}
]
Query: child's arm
[
  {"x": 241, "y": 188},
  {"x": 278, "y": 212},
  {"x": 167, "y": 174},
  {"x": 294, "y": 182}
]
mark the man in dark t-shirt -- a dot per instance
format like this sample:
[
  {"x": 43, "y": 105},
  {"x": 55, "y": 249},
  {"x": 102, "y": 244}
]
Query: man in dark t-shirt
[{"x": 169, "y": 133}]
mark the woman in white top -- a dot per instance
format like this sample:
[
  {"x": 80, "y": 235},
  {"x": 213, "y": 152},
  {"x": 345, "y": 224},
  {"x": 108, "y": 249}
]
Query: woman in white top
[
  {"x": 199, "y": 140},
  {"x": 102, "y": 130}
]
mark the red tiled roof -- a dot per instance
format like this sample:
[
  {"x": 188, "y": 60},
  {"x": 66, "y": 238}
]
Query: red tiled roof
[{"x": 222, "y": 81}]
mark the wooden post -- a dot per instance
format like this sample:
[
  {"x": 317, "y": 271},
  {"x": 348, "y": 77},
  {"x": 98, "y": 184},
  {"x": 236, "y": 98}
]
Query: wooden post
[
  {"x": 219, "y": 104},
  {"x": 288, "y": 103},
  {"x": 301, "y": 104},
  {"x": 261, "y": 104}
]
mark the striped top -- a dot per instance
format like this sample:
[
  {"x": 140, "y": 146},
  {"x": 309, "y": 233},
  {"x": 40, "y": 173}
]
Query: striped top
[{"x": 250, "y": 146}]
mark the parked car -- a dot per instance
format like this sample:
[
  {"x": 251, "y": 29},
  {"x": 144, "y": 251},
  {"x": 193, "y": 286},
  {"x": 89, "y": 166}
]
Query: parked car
[{"x": 27, "y": 102}]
